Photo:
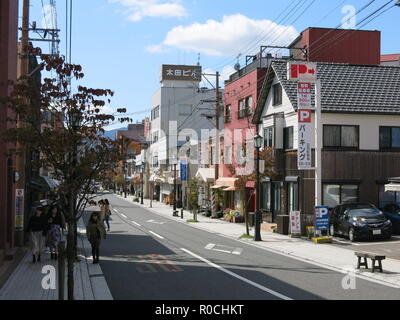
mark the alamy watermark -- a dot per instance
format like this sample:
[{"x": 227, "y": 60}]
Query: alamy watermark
[{"x": 50, "y": 278}]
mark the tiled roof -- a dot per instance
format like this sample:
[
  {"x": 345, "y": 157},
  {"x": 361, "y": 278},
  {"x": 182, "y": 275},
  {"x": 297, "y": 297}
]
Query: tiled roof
[
  {"x": 390, "y": 57},
  {"x": 345, "y": 88}
]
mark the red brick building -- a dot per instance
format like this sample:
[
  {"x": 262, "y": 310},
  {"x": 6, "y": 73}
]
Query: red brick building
[
  {"x": 8, "y": 71},
  {"x": 240, "y": 98}
]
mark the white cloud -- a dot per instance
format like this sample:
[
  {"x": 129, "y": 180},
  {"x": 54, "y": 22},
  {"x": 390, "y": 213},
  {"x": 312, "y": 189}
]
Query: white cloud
[
  {"x": 139, "y": 9},
  {"x": 224, "y": 75},
  {"x": 222, "y": 38},
  {"x": 156, "y": 49}
]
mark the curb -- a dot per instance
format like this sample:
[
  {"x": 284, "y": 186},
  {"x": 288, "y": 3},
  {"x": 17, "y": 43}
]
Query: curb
[{"x": 97, "y": 280}]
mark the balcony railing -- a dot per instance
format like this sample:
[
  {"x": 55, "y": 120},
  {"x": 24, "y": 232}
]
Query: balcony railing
[{"x": 244, "y": 113}]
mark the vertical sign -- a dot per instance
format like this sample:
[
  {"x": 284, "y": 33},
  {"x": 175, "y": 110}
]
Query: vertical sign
[
  {"x": 183, "y": 171},
  {"x": 147, "y": 128},
  {"x": 321, "y": 218},
  {"x": 295, "y": 226},
  {"x": 19, "y": 209},
  {"x": 304, "y": 95},
  {"x": 304, "y": 154}
]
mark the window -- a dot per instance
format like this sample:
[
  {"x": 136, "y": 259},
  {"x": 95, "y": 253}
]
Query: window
[
  {"x": 293, "y": 196},
  {"x": 249, "y": 103},
  {"x": 228, "y": 114},
  {"x": 387, "y": 197},
  {"x": 185, "y": 110},
  {"x": 341, "y": 136},
  {"x": 155, "y": 137},
  {"x": 277, "y": 94},
  {"x": 155, "y": 162},
  {"x": 155, "y": 113},
  {"x": 389, "y": 138},
  {"x": 242, "y": 109},
  {"x": 288, "y": 138},
  {"x": 335, "y": 194},
  {"x": 269, "y": 137},
  {"x": 228, "y": 155},
  {"x": 265, "y": 196}
]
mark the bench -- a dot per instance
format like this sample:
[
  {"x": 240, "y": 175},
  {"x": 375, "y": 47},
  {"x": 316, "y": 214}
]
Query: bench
[{"x": 373, "y": 257}]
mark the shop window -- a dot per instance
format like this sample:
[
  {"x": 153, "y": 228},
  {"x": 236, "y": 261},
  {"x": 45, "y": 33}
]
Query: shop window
[
  {"x": 265, "y": 202},
  {"x": 387, "y": 197},
  {"x": 335, "y": 194},
  {"x": 293, "y": 196}
]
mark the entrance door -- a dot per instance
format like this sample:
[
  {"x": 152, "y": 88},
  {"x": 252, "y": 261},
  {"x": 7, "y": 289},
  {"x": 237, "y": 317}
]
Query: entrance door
[{"x": 276, "y": 200}]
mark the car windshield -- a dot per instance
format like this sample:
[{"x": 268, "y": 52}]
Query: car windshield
[
  {"x": 365, "y": 212},
  {"x": 358, "y": 206}
]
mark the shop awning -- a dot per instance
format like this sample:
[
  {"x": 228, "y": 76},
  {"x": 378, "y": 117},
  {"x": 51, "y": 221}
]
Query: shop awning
[
  {"x": 206, "y": 174},
  {"x": 230, "y": 189},
  {"x": 225, "y": 183},
  {"x": 156, "y": 178},
  {"x": 392, "y": 187},
  {"x": 44, "y": 183}
]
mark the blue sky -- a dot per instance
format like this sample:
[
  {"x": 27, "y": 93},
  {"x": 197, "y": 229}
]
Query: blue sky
[{"x": 121, "y": 44}]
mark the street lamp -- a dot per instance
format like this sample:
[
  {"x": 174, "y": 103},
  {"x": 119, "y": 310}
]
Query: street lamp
[
  {"x": 175, "y": 214},
  {"x": 142, "y": 181},
  {"x": 258, "y": 140}
]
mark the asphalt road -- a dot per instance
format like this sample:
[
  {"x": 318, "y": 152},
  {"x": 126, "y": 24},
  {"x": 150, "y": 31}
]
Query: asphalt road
[{"x": 150, "y": 257}]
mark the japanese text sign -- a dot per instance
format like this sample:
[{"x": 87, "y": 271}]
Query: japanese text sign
[
  {"x": 295, "y": 226},
  {"x": 304, "y": 95},
  {"x": 181, "y": 73},
  {"x": 304, "y": 154}
]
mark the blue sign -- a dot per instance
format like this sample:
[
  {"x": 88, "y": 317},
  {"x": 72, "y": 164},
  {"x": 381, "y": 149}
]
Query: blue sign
[
  {"x": 183, "y": 171},
  {"x": 321, "y": 218}
]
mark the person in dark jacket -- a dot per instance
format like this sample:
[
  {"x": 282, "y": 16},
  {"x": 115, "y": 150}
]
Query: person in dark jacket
[
  {"x": 56, "y": 222},
  {"x": 37, "y": 227},
  {"x": 95, "y": 231}
]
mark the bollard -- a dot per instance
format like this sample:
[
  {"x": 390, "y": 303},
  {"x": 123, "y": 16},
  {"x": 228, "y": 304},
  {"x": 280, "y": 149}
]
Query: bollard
[
  {"x": 182, "y": 213},
  {"x": 61, "y": 270}
]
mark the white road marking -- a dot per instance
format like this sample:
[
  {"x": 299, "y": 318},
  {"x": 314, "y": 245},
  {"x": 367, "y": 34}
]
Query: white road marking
[
  {"x": 116, "y": 210},
  {"x": 224, "y": 249},
  {"x": 124, "y": 216},
  {"x": 134, "y": 222},
  {"x": 157, "y": 235},
  {"x": 155, "y": 222},
  {"x": 254, "y": 284}
]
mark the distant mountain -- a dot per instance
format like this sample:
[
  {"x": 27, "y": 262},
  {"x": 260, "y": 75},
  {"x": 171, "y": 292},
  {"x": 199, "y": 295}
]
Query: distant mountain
[{"x": 111, "y": 133}]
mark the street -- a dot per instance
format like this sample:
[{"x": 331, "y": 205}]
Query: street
[{"x": 150, "y": 257}]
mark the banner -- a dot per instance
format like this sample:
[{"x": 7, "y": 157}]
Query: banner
[
  {"x": 183, "y": 171},
  {"x": 305, "y": 132},
  {"x": 19, "y": 209},
  {"x": 295, "y": 224}
]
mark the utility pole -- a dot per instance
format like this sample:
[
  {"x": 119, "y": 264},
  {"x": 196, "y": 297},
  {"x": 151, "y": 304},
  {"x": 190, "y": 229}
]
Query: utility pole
[{"x": 20, "y": 168}]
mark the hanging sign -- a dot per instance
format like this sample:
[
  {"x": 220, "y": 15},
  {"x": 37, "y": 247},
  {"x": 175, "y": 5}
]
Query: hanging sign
[{"x": 304, "y": 95}]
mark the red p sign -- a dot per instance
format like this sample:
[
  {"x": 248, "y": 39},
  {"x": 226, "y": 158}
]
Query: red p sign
[{"x": 304, "y": 116}]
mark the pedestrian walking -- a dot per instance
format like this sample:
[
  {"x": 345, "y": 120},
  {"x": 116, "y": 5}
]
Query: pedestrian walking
[
  {"x": 95, "y": 233},
  {"x": 107, "y": 213},
  {"x": 37, "y": 226},
  {"x": 55, "y": 223}
]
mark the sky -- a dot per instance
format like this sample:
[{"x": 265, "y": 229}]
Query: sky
[{"x": 121, "y": 44}]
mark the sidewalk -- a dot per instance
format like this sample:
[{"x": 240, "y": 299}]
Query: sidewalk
[
  {"x": 324, "y": 255},
  {"x": 25, "y": 283}
]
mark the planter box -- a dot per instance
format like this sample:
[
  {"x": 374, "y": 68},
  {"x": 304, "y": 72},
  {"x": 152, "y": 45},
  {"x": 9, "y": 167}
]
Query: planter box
[{"x": 238, "y": 219}]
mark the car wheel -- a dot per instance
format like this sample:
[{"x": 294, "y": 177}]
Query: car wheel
[
  {"x": 332, "y": 230},
  {"x": 351, "y": 234}
]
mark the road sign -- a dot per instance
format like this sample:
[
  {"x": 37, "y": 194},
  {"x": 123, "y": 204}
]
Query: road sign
[
  {"x": 321, "y": 218},
  {"x": 304, "y": 95},
  {"x": 304, "y": 154},
  {"x": 302, "y": 71}
]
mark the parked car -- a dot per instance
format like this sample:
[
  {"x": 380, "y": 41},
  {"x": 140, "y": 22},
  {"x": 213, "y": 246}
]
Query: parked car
[
  {"x": 360, "y": 221},
  {"x": 392, "y": 212}
]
